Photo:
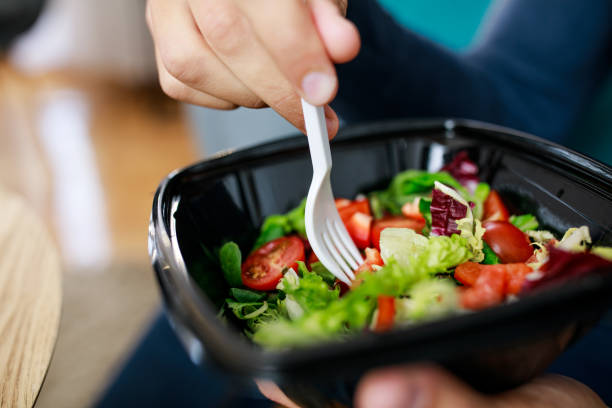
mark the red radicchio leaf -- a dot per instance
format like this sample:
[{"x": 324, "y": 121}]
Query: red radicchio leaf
[
  {"x": 464, "y": 170},
  {"x": 445, "y": 211},
  {"x": 564, "y": 265}
]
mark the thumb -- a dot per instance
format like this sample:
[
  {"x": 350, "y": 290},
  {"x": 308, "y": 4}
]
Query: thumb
[
  {"x": 420, "y": 386},
  {"x": 339, "y": 36},
  {"x": 432, "y": 387}
]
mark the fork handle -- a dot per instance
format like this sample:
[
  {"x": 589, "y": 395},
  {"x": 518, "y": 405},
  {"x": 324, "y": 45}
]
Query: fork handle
[{"x": 318, "y": 140}]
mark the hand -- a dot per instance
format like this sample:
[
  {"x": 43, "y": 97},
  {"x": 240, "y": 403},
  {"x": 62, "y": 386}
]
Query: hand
[
  {"x": 254, "y": 53},
  {"x": 425, "y": 386}
]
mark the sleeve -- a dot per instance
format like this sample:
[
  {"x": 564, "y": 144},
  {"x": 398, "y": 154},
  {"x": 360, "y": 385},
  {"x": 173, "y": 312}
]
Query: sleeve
[{"x": 535, "y": 67}]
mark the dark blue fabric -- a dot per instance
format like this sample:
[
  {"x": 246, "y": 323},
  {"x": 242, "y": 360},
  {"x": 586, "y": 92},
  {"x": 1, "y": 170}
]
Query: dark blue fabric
[
  {"x": 160, "y": 374},
  {"x": 534, "y": 68},
  {"x": 590, "y": 361}
]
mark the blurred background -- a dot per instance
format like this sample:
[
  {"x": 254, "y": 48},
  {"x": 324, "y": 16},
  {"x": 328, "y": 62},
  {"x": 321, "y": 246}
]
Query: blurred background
[{"x": 86, "y": 135}]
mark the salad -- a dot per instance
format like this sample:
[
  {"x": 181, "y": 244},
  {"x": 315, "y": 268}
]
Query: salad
[{"x": 435, "y": 244}]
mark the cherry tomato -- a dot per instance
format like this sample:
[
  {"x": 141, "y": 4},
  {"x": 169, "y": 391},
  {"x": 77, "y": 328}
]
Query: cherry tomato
[
  {"x": 507, "y": 241},
  {"x": 394, "y": 222},
  {"x": 263, "y": 269},
  {"x": 358, "y": 227},
  {"x": 494, "y": 208},
  {"x": 386, "y": 313},
  {"x": 346, "y": 211},
  {"x": 488, "y": 290},
  {"x": 514, "y": 274}
]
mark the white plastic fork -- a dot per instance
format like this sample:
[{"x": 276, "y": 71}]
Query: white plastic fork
[{"x": 326, "y": 232}]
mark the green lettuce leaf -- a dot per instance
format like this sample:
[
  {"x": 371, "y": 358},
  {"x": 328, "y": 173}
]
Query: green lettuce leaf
[
  {"x": 247, "y": 296},
  {"x": 310, "y": 291},
  {"x": 525, "y": 222},
  {"x": 354, "y": 310},
  {"x": 230, "y": 260},
  {"x": 323, "y": 272},
  {"x": 478, "y": 198},
  {"x": 428, "y": 299},
  {"x": 279, "y": 225},
  {"x": 490, "y": 257}
]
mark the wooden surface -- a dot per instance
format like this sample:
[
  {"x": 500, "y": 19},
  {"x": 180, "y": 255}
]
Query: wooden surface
[{"x": 30, "y": 302}]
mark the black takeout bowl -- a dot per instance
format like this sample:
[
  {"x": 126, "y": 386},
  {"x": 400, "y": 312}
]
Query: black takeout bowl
[{"x": 226, "y": 198}]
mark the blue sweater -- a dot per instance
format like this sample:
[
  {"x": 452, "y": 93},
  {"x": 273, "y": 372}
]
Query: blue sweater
[{"x": 535, "y": 68}]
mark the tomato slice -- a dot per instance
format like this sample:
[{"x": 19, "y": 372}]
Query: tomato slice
[
  {"x": 411, "y": 210},
  {"x": 507, "y": 241},
  {"x": 515, "y": 276},
  {"x": 394, "y": 222},
  {"x": 494, "y": 208},
  {"x": 373, "y": 257},
  {"x": 342, "y": 202},
  {"x": 358, "y": 227},
  {"x": 488, "y": 290},
  {"x": 263, "y": 268},
  {"x": 468, "y": 273},
  {"x": 386, "y": 313},
  {"x": 346, "y": 211}
]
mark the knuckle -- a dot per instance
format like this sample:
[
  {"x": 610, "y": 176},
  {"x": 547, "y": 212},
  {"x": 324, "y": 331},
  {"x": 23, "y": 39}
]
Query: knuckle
[
  {"x": 179, "y": 64},
  {"x": 254, "y": 103},
  {"x": 224, "y": 29},
  {"x": 172, "y": 88}
]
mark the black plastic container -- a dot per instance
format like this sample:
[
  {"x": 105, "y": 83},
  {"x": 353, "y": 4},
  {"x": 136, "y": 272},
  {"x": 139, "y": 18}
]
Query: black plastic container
[{"x": 227, "y": 197}]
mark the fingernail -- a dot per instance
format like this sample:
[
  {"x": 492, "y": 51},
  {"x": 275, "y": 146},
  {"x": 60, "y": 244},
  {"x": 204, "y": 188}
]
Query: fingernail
[{"x": 318, "y": 87}]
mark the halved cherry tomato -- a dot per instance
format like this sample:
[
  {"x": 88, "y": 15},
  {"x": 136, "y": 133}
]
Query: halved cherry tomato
[
  {"x": 488, "y": 290},
  {"x": 342, "y": 202},
  {"x": 514, "y": 274},
  {"x": 394, "y": 222},
  {"x": 358, "y": 227},
  {"x": 411, "y": 210},
  {"x": 494, "y": 208},
  {"x": 346, "y": 211},
  {"x": 386, "y": 313},
  {"x": 264, "y": 267},
  {"x": 507, "y": 241},
  {"x": 467, "y": 273}
]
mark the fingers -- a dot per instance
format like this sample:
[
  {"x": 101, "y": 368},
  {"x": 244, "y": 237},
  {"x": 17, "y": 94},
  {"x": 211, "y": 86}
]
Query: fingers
[
  {"x": 253, "y": 53},
  {"x": 179, "y": 91},
  {"x": 432, "y": 387},
  {"x": 416, "y": 386},
  {"x": 550, "y": 391},
  {"x": 229, "y": 34},
  {"x": 339, "y": 36},
  {"x": 271, "y": 391},
  {"x": 287, "y": 31},
  {"x": 184, "y": 55}
]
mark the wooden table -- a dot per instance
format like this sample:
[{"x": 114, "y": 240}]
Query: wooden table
[{"x": 30, "y": 302}]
